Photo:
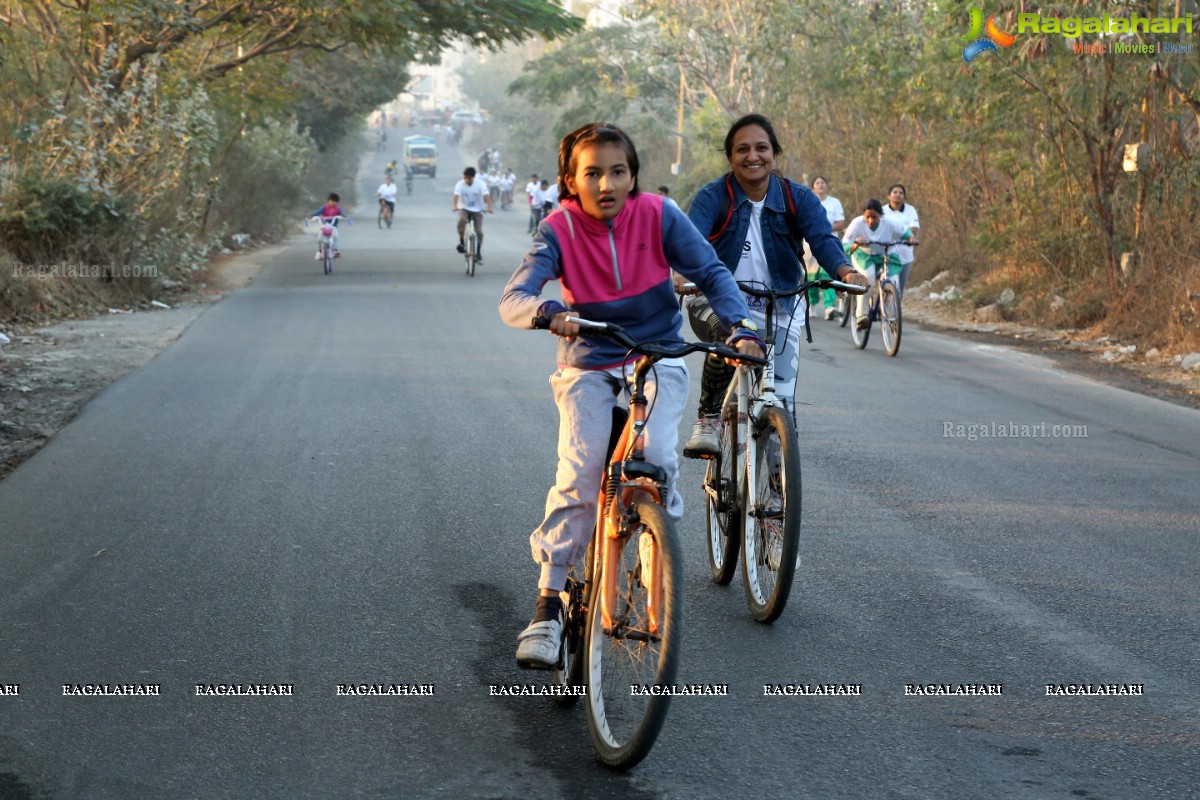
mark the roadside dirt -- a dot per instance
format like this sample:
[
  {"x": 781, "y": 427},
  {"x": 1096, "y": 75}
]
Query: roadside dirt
[{"x": 48, "y": 373}]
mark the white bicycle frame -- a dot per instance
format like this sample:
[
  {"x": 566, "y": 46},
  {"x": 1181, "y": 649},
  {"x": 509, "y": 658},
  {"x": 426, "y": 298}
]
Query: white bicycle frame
[
  {"x": 752, "y": 395},
  {"x": 325, "y": 234}
]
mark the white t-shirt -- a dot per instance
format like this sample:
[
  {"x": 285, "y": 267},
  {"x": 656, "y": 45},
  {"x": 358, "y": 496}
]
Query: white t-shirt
[
  {"x": 551, "y": 195},
  {"x": 531, "y": 190},
  {"x": 888, "y": 230},
  {"x": 471, "y": 197},
  {"x": 387, "y": 191},
  {"x": 833, "y": 210},
  {"x": 752, "y": 266},
  {"x": 906, "y": 219}
]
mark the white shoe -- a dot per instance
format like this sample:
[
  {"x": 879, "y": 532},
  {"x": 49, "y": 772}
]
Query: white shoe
[
  {"x": 830, "y": 313},
  {"x": 539, "y": 644}
]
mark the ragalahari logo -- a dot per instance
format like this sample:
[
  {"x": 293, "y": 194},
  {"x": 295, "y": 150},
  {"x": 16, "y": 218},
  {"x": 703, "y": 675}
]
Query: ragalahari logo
[{"x": 981, "y": 44}]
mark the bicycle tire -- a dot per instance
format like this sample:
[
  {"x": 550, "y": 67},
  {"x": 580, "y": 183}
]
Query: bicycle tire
[
  {"x": 861, "y": 335},
  {"x": 771, "y": 519},
  {"x": 327, "y": 257},
  {"x": 624, "y": 726},
  {"x": 846, "y": 307},
  {"x": 723, "y": 512},
  {"x": 471, "y": 244},
  {"x": 570, "y": 670},
  {"x": 380, "y": 220},
  {"x": 889, "y": 318}
]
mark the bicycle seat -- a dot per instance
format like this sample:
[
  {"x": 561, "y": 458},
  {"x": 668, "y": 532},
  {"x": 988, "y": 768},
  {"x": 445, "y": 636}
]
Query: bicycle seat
[{"x": 644, "y": 469}]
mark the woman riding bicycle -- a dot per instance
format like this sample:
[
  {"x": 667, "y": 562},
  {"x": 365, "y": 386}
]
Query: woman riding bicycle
[
  {"x": 756, "y": 220},
  {"x": 612, "y": 248},
  {"x": 872, "y": 228}
]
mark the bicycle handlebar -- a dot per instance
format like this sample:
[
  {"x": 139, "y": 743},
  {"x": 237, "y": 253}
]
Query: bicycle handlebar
[
  {"x": 653, "y": 350},
  {"x": 820, "y": 283}
]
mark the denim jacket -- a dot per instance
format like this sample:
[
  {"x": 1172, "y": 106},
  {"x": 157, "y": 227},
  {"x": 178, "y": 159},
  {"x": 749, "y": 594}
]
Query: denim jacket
[{"x": 781, "y": 248}]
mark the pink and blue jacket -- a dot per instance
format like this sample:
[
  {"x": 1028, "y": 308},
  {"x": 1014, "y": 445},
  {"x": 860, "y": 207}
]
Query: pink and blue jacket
[{"x": 619, "y": 271}]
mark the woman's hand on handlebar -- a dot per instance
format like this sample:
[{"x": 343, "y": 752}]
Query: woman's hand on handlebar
[
  {"x": 857, "y": 278},
  {"x": 749, "y": 347}
]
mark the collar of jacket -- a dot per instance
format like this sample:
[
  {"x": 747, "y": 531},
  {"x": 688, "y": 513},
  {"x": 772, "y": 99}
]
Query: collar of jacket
[
  {"x": 774, "y": 196},
  {"x": 579, "y": 220}
]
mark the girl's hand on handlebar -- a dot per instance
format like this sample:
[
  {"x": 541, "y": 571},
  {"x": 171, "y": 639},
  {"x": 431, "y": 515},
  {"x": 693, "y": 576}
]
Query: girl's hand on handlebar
[
  {"x": 561, "y": 325},
  {"x": 683, "y": 285}
]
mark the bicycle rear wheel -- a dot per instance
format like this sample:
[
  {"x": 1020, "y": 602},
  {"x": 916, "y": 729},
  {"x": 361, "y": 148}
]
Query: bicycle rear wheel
[
  {"x": 625, "y": 711},
  {"x": 724, "y": 517},
  {"x": 771, "y": 522},
  {"x": 889, "y": 318}
]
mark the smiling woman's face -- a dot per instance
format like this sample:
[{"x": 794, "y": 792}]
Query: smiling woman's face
[{"x": 752, "y": 158}]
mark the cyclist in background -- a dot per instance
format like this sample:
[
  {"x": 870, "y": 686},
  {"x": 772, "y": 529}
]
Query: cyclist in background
[
  {"x": 470, "y": 199},
  {"x": 330, "y": 211},
  {"x": 865, "y": 230},
  {"x": 387, "y": 196},
  {"x": 612, "y": 248}
]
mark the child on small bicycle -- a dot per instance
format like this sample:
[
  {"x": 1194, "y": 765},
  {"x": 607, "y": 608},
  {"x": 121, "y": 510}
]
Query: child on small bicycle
[
  {"x": 870, "y": 228},
  {"x": 330, "y": 211},
  {"x": 612, "y": 248}
]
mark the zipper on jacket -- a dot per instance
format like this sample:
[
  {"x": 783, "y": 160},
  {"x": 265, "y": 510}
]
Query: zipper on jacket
[{"x": 612, "y": 248}]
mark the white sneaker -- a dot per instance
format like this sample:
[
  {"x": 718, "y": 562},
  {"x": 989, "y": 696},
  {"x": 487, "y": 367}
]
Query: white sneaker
[
  {"x": 830, "y": 313},
  {"x": 704, "y": 441},
  {"x": 539, "y": 644}
]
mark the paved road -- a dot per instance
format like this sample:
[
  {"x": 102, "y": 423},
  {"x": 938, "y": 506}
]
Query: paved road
[{"x": 330, "y": 480}]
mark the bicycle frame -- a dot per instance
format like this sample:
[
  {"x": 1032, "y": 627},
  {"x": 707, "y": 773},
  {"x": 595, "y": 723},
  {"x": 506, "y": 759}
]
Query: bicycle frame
[{"x": 615, "y": 505}]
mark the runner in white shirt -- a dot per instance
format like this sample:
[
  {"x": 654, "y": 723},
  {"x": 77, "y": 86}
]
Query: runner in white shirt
[
  {"x": 905, "y": 215},
  {"x": 530, "y": 189},
  {"x": 837, "y": 221},
  {"x": 470, "y": 200}
]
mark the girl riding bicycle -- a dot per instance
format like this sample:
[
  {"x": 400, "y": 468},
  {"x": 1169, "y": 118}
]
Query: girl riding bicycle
[{"x": 612, "y": 248}]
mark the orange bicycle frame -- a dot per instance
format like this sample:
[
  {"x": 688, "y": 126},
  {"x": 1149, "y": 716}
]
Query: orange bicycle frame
[{"x": 610, "y": 526}]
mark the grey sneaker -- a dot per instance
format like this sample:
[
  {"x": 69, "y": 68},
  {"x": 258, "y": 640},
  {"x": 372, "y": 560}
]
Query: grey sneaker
[
  {"x": 704, "y": 442},
  {"x": 830, "y": 313},
  {"x": 863, "y": 323},
  {"x": 539, "y": 645}
]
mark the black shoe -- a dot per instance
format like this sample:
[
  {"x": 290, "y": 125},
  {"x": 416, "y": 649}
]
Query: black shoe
[
  {"x": 460, "y": 248},
  {"x": 478, "y": 258}
]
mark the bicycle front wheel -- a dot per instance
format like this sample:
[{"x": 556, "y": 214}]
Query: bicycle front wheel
[
  {"x": 631, "y": 669},
  {"x": 889, "y": 318},
  {"x": 327, "y": 257},
  {"x": 860, "y": 335},
  {"x": 721, "y": 491},
  {"x": 471, "y": 244},
  {"x": 771, "y": 523},
  {"x": 845, "y": 307}
]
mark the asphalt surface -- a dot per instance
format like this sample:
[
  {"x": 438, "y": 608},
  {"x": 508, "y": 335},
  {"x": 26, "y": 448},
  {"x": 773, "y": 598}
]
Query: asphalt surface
[{"x": 331, "y": 480}]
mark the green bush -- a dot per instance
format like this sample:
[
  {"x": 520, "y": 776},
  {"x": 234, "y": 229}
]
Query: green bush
[{"x": 53, "y": 219}]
